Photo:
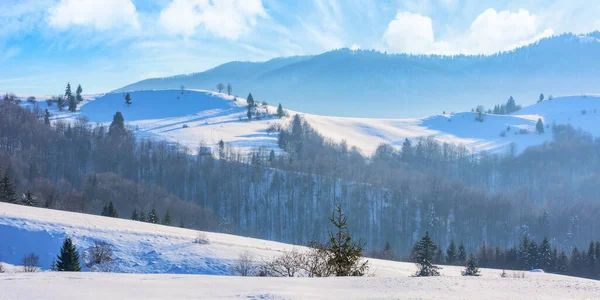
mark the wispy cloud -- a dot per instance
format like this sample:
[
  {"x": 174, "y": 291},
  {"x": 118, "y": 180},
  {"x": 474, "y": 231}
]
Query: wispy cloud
[{"x": 101, "y": 15}]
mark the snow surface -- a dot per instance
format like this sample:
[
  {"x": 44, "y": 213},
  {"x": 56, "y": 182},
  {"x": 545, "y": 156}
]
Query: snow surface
[
  {"x": 147, "y": 248},
  {"x": 211, "y": 116}
]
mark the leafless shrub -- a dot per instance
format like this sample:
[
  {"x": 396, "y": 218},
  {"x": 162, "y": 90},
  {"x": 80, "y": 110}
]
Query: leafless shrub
[
  {"x": 518, "y": 275},
  {"x": 99, "y": 257},
  {"x": 503, "y": 274},
  {"x": 1, "y": 268},
  {"x": 31, "y": 263},
  {"x": 245, "y": 265},
  {"x": 276, "y": 127},
  {"x": 288, "y": 264},
  {"x": 202, "y": 238},
  {"x": 315, "y": 261}
]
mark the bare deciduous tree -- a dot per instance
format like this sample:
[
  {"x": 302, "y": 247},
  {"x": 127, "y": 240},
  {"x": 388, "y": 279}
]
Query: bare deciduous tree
[
  {"x": 202, "y": 238},
  {"x": 31, "y": 263},
  {"x": 245, "y": 265},
  {"x": 99, "y": 257},
  {"x": 220, "y": 87}
]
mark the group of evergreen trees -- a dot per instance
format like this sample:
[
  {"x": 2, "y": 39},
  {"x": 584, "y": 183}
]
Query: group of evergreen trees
[
  {"x": 506, "y": 109},
  {"x": 153, "y": 217},
  {"x": 72, "y": 100}
]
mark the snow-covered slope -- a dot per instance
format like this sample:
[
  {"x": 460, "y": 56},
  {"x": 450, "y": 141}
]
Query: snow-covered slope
[
  {"x": 194, "y": 116},
  {"x": 147, "y": 248}
]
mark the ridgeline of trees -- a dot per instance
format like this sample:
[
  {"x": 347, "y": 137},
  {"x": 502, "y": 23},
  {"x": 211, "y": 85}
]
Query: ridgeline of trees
[{"x": 393, "y": 196}]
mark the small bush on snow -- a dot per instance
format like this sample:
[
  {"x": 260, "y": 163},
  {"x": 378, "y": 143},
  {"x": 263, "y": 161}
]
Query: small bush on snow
[
  {"x": 99, "y": 257},
  {"x": 31, "y": 263},
  {"x": 1, "y": 268},
  {"x": 202, "y": 238},
  {"x": 245, "y": 265}
]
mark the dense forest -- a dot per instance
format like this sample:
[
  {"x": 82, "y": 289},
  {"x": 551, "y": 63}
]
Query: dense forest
[{"x": 394, "y": 196}]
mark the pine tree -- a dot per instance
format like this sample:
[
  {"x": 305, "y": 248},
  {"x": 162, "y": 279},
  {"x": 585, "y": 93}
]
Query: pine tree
[
  {"x": 109, "y": 210},
  {"x": 229, "y": 89},
  {"x": 423, "y": 254},
  {"x": 128, "y": 99},
  {"x": 221, "y": 149},
  {"x": 591, "y": 260},
  {"x": 117, "y": 126},
  {"x": 539, "y": 126},
  {"x": 576, "y": 262},
  {"x": 545, "y": 255},
  {"x": 68, "y": 93},
  {"x": 78, "y": 92},
  {"x": 462, "y": 254},
  {"x": 29, "y": 199},
  {"x": 562, "y": 264},
  {"x": 47, "y": 117},
  {"x": 60, "y": 102},
  {"x": 534, "y": 256},
  {"x": 142, "y": 216},
  {"x": 541, "y": 98},
  {"x": 7, "y": 190},
  {"x": 451, "y": 253},
  {"x": 249, "y": 113},
  {"x": 181, "y": 224},
  {"x": 250, "y": 100},
  {"x": 72, "y": 103},
  {"x": 471, "y": 268},
  {"x": 280, "y": 111},
  {"x": 167, "y": 219},
  {"x": 523, "y": 260},
  {"x": 220, "y": 87},
  {"x": 68, "y": 260},
  {"x": 345, "y": 254},
  {"x": 153, "y": 217},
  {"x": 135, "y": 215}
]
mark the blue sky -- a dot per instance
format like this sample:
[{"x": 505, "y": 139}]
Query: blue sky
[{"x": 106, "y": 44}]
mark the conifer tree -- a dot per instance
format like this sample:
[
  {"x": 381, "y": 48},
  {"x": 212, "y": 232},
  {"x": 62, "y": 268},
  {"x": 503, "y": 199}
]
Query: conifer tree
[
  {"x": 541, "y": 98},
  {"x": 153, "y": 217},
  {"x": 128, "y": 99},
  {"x": 471, "y": 268},
  {"x": 545, "y": 255},
  {"x": 117, "y": 126},
  {"x": 345, "y": 254},
  {"x": 167, "y": 219},
  {"x": 451, "y": 254},
  {"x": 142, "y": 216},
  {"x": 47, "y": 117},
  {"x": 280, "y": 111},
  {"x": 539, "y": 126},
  {"x": 250, "y": 100},
  {"x": 78, "y": 92},
  {"x": 29, "y": 199},
  {"x": 68, "y": 259},
  {"x": 135, "y": 215},
  {"x": 462, "y": 254},
  {"x": 71, "y": 102},
  {"x": 229, "y": 89},
  {"x": 60, "y": 102},
  {"x": 562, "y": 264},
  {"x": 181, "y": 224},
  {"x": 7, "y": 190},
  {"x": 423, "y": 254},
  {"x": 249, "y": 113},
  {"x": 109, "y": 210},
  {"x": 591, "y": 260}
]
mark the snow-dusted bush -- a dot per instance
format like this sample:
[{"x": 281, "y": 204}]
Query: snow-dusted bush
[
  {"x": 288, "y": 264},
  {"x": 202, "y": 238},
  {"x": 1, "y": 268},
  {"x": 518, "y": 275},
  {"x": 99, "y": 257},
  {"x": 31, "y": 263},
  {"x": 245, "y": 265}
]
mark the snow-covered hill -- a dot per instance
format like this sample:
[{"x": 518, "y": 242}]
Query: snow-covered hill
[
  {"x": 146, "y": 248},
  {"x": 192, "y": 116}
]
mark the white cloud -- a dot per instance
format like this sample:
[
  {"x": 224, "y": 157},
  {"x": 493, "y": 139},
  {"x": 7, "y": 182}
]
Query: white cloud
[
  {"x": 489, "y": 33},
  {"x": 410, "y": 33},
  {"x": 230, "y": 19},
  {"x": 100, "y": 14}
]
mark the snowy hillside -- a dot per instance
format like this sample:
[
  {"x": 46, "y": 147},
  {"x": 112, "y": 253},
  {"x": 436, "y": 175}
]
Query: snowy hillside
[
  {"x": 146, "y": 248},
  {"x": 194, "y": 116}
]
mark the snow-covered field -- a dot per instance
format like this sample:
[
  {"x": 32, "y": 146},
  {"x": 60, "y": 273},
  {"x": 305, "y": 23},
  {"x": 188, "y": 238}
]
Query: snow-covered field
[
  {"x": 146, "y": 248},
  {"x": 194, "y": 116}
]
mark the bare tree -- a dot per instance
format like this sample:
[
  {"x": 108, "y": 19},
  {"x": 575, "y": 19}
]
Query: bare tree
[
  {"x": 220, "y": 87},
  {"x": 286, "y": 265},
  {"x": 99, "y": 257},
  {"x": 245, "y": 265},
  {"x": 31, "y": 263},
  {"x": 229, "y": 89},
  {"x": 182, "y": 87},
  {"x": 202, "y": 238}
]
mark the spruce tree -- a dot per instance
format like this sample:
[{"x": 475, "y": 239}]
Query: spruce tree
[
  {"x": 71, "y": 102},
  {"x": 47, "y": 117},
  {"x": 153, "y": 217},
  {"x": 250, "y": 100},
  {"x": 451, "y": 253},
  {"x": 7, "y": 190},
  {"x": 29, "y": 199},
  {"x": 128, "y": 99},
  {"x": 60, "y": 102},
  {"x": 135, "y": 215},
  {"x": 539, "y": 126},
  {"x": 68, "y": 260},
  {"x": 345, "y": 254},
  {"x": 280, "y": 112},
  {"x": 117, "y": 126},
  {"x": 249, "y": 113},
  {"x": 471, "y": 268},
  {"x": 562, "y": 264},
  {"x": 109, "y": 210},
  {"x": 545, "y": 255},
  {"x": 167, "y": 219},
  {"x": 541, "y": 98},
  {"x": 591, "y": 261},
  {"x": 78, "y": 92},
  {"x": 142, "y": 216},
  {"x": 462, "y": 254},
  {"x": 423, "y": 254}
]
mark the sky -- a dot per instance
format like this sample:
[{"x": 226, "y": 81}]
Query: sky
[{"x": 107, "y": 44}]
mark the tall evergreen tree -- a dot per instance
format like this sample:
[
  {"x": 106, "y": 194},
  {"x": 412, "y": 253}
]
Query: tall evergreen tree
[
  {"x": 541, "y": 98},
  {"x": 142, "y": 217},
  {"x": 229, "y": 89},
  {"x": 71, "y": 102},
  {"x": 29, "y": 199},
  {"x": 78, "y": 92},
  {"x": 47, "y": 117},
  {"x": 539, "y": 126},
  {"x": 249, "y": 113},
  {"x": 68, "y": 259},
  {"x": 7, "y": 190},
  {"x": 591, "y": 260},
  {"x": 167, "y": 219},
  {"x": 562, "y": 264},
  {"x": 109, "y": 210},
  {"x": 471, "y": 268},
  {"x": 153, "y": 217},
  {"x": 128, "y": 99},
  {"x": 545, "y": 255},
  {"x": 451, "y": 253},
  {"x": 135, "y": 215},
  {"x": 462, "y": 254},
  {"x": 280, "y": 111},
  {"x": 345, "y": 254},
  {"x": 423, "y": 254},
  {"x": 250, "y": 100},
  {"x": 60, "y": 102},
  {"x": 117, "y": 126}
]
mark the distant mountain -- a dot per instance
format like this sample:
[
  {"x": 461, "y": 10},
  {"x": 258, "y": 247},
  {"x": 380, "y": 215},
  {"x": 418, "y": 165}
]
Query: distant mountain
[{"x": 349, "y": 83}]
